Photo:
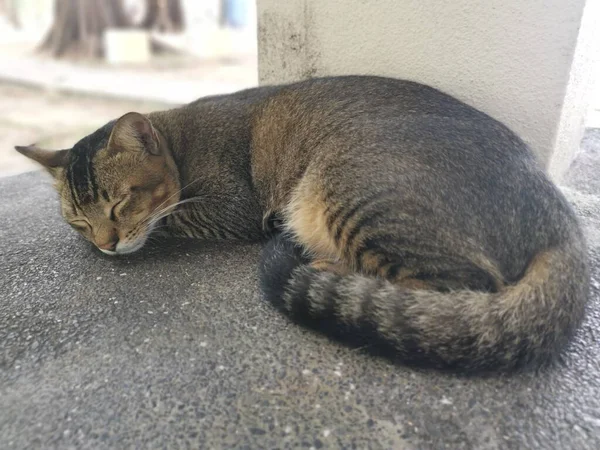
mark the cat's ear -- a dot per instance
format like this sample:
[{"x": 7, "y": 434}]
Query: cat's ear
[
  {"x": 52, "y": 160},
  {"x": 134, "y": 132}
]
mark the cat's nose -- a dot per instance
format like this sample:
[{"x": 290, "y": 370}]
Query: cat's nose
[{"x": 110, "y": 246}]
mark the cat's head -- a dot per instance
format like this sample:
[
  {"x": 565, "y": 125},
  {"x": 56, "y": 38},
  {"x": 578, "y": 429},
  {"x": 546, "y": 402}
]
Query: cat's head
[{"x": 114, "y": 183}]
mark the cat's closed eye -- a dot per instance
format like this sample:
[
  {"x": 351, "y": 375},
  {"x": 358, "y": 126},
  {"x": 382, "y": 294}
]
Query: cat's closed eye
[
  {"x": 113, "y": 211},
  {"x": 80, "y": 225}
]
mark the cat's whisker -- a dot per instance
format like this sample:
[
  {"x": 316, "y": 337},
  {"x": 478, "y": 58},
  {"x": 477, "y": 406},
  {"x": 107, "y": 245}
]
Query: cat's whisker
[
  {"x": 155, "y": 216},
  {"x": 177, "y": 192},
  {"x": 158, "y": 228},
  {"x": 150, "y": 217},
  {"x": 156, "y": 213}
]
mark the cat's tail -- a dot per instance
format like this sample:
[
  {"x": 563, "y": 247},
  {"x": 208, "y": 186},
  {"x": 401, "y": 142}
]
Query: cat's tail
[{"x": 528, "y": 322}]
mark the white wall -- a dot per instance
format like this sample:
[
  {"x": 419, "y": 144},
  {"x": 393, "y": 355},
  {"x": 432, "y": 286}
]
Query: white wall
[{"x": 509, "y": 58}]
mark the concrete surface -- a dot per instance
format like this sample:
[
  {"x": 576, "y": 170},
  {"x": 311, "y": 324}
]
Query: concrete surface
[
  {"x": 173, "y": 347},
  {"x": 526, "y": 64}
]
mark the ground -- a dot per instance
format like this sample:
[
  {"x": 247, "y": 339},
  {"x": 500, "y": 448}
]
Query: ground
[{"x": 174, "y": 346}]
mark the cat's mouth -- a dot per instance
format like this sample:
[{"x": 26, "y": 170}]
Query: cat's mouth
[
  {"x": 126, "y": 248},
  {"x": 140, "y": 237}
]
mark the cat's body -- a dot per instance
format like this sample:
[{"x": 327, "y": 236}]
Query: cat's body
[{"x": 421, "y": 219}]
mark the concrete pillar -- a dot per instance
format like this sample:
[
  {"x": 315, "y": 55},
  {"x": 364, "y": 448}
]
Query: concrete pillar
[{"x": 521, "y": 61}]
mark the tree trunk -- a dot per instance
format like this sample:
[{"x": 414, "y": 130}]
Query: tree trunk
[
  {"x": 79, "y": 25},
  {"x": 9, "y": 10},
  {"x": 163, "y": 15}
]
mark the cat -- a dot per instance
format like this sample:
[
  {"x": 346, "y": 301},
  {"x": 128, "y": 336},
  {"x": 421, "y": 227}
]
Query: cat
[{"x": 393, "y": 210}]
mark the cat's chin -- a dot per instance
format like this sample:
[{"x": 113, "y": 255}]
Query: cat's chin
[
  {"x": 128, "y": 249},
  {"x": 125, "y": 249}
]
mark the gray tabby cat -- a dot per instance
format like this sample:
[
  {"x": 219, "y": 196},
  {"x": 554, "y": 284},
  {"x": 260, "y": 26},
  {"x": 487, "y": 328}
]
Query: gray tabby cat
[{"x": 398, "y": 212}]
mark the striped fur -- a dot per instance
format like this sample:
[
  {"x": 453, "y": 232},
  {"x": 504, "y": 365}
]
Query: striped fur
[
  {"x": 80, "y": 172},
  {"x": 400, "y": 213},
  {"x": 461, "y": 329}
]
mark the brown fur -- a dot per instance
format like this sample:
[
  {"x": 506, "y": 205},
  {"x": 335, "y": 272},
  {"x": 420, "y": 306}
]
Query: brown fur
[{"x": 404, "y": 211}]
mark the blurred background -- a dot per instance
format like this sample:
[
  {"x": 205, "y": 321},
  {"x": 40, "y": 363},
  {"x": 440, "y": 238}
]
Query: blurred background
[{"x": 69, "y": 66}]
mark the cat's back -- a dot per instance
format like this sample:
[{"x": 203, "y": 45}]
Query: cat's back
[
  {"x": 377, "y": 109},
  {"x": 365, "y": 133},
  {"x": 366, "y": 93},
  {"x": 403, "y": 119}
]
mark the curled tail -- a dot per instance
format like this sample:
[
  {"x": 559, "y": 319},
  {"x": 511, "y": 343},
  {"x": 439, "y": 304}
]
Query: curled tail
[{"x": 529, "y": 322}]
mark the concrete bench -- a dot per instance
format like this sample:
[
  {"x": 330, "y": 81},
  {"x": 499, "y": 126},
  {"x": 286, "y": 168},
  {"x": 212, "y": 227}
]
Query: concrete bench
[{"x": 173, "y": 346}]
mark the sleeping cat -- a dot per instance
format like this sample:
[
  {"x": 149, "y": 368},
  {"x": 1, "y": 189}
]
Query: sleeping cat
[{"x": 397, "y": 211}]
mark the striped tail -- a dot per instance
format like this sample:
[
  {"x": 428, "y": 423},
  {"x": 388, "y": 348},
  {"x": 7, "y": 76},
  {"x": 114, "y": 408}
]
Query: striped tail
[{"x": 528, "y": 323}]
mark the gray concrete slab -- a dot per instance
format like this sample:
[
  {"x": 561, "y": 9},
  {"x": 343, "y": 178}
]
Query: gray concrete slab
[{"x": 173, "y": 347}]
